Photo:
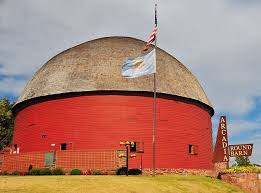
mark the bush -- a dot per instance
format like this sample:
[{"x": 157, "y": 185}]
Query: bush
[
  {"x": 244, "y": 169},
  {"x": 34, "y": 172},
  {"x": 134, "y": 171},
  {"x": 96, "y": 172},
  {"x": 5, "y": 173},
  {"x": 121, "y": 171},
  {"x": 45, "y": 171},
  {"x": 57, "y": 171},
  {"x": 242, "y": 161},
  {"x": 15, "y": 173},
  {"x": 75, "y": 172}
]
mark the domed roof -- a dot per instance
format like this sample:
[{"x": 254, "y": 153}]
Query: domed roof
[{"x": 96, "y": 66}]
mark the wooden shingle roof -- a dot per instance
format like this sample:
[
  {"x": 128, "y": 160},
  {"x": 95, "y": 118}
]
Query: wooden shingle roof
[{"x": 96, "y": 66}]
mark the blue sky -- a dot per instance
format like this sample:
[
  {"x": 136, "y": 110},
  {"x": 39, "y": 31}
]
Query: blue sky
[{"x": 219, "y": 41}]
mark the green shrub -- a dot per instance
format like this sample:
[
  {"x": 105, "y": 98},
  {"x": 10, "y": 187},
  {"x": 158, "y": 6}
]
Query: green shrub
[
  {"x": 45, "y": 171},
  {"x": 4, "y": 173},
  {"x": 242, "y": 161},
  {"x": 15, "y": 173},
  {"x": 75, "y": 172},
  {"x": 134, "y": 171},
  {"x": 121, "y": 171},
  {"x": 96, "y": 172},
  {"x": 244, "y": 169},
  {"x": 57, "y": 171},
  {"x": 34, "y": 172}
]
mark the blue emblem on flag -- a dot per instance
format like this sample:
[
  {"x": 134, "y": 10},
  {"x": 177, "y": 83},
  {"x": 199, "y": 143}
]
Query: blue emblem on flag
[{"x": 134, "y": 67}]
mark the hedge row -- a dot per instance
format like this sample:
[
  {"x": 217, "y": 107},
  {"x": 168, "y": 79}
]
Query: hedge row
[
  {"x": 58, "y": 171},
  {"x": 36, "y": 172}
]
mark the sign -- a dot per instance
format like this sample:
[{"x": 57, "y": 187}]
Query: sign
[
  {"x": 221, "y": 153},
  {"x": 222, "y": 150},
  {"x": 140, "y": 147},
  {"x": 240, "y": 150},
  {"x": 135, "y": 146}
]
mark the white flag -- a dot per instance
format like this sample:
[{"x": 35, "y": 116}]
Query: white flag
[{"x": 134, "y": 67}]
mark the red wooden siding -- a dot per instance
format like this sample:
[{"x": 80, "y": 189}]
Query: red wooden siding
[
  {"x": 67, "y": 160},
  {"x": 101, "y": 122},
  {"x": 84, "y": 160},
  {"x": 22, "y": 161}
]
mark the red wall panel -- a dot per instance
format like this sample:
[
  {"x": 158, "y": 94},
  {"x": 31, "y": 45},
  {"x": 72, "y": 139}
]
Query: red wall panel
[{"x": 102, "y": 121}]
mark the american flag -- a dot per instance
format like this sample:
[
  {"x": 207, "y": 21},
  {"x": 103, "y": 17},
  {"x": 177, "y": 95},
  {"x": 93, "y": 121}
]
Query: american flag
[
  {"x": 153, "y": 35},
  {"x": 152, "y": 38}
]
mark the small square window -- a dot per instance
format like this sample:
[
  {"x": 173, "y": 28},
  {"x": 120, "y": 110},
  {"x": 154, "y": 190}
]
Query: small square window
[
  {"x": 63, "y": 146},
  {"x": 193, "y": 149}
]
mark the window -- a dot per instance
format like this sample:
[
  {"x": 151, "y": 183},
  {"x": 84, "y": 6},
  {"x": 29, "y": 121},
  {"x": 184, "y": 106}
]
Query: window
[
  {"x": 63, "y": 146},
  {"x": 193, "y": 149}
]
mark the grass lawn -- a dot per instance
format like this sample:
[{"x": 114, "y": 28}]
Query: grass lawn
[{"x": 114, "y": 184}]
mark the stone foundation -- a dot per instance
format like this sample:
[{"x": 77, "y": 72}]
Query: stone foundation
[
  {"x": 166, "y": 171},
  {"x": 220, "y": 167},
  {"x": 246, "y": 181}
]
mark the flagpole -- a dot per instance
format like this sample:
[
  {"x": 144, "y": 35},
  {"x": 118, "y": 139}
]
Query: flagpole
[{"x": 154, "y": 104}]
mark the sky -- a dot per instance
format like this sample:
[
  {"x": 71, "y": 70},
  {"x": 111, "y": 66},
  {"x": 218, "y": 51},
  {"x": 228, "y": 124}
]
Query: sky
[{"x": 219, "y": 41}]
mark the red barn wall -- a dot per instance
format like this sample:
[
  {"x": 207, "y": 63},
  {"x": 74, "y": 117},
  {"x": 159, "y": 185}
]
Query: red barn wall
[{"x": 101, "y": 122}]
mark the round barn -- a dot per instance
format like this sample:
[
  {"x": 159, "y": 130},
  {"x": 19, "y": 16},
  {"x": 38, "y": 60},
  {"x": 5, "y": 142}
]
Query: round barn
[{"x": 79, "y": 100}]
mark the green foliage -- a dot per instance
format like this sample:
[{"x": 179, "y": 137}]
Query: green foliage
[
  {"x": 134, "y": 171},
  {"x": 45, "y": 171},
  {"x": 6, "y": 123},
  {"x": 242, "y": 161},
  {"x": 57, "y": 171},
  {"x": 121, "y": 171},
  {"x": 34, "y": 172},
  {"x": 242, "y": 169},
  {"x": 96, "y": 172},
  {"x": 5, "y": 173},
  {"x": 15, "y": 173},
  {"x": 75, "y": 172}
]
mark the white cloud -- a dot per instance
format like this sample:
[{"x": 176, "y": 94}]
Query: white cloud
[
  {"x": 256, "y": 140},
  {"x": 236, "y": 127},
  {"x": 11, "y": 86}
]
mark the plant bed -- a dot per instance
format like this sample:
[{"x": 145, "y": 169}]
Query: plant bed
[{"x": 245, "y": 177}]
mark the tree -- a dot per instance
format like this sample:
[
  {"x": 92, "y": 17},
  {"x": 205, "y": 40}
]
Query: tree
[
  {"x": 6, "y": 122},
  {"x": 242, "y": 161}
]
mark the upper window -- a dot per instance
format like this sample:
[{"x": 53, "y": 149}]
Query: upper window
[{"x": 193, "y": 149}]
